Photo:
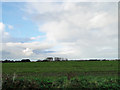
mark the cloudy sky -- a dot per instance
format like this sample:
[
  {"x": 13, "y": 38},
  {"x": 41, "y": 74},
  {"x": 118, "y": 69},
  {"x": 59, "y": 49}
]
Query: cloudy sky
[{"x": 73, "y": 30}]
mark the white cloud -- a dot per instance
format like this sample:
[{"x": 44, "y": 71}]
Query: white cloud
[
  {"x": 32, "y": 45},
  {"x": 7, "y": 37},
  {"x": 10, "y": 27},
  {"x": 25, "y": 50},
  {"x": 35, "y": 38},
  {"x": 28, "y": 52},
  {"x": 60, "y": 1},
  {"x": 3, "y": 33},
  {"x": 81, "y": 29},
  {"x": 24, "y": 18},
  {"x": 2, "y": 26},
  {"x": 11, "y": 48}
]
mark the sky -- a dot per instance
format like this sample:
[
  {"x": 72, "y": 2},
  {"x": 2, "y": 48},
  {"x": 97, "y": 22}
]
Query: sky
[{"x": 73, "y": 30}]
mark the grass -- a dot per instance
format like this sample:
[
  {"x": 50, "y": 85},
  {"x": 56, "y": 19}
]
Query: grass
[{"x": 67, "y": 74}]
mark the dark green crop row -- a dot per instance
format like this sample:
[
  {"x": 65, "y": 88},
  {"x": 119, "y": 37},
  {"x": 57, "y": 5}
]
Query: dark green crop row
[{"x": 90, "y": 82}]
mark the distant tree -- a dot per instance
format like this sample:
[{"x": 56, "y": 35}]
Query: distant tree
[
  {"x": 104, "y": 60},
  {"x": 39, "y": 61},
  {"x": 7, "y": 61},
  {"x": 66, "y": 59},
  {"x": 25, "y": 60},
  {"x": 17, "y": 61},
  {"x": 45, "y": 60}
]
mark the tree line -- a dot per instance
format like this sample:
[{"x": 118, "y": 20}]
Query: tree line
[{"x": 56, "y": 59}]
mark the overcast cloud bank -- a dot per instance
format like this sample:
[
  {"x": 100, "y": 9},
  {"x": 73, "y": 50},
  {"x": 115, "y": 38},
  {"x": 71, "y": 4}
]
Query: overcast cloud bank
[{"x": 72, "y": 30}]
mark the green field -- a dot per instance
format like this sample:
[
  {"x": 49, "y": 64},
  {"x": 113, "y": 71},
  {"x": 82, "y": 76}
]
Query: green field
[{"x": 64, "y": 74}]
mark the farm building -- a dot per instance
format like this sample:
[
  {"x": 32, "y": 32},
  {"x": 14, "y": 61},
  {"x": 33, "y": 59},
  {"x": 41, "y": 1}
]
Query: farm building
[
  {"x": 49, "y": 59},
  {"x": 55, "y": 59},
  {"x": 60, "y": 59}
]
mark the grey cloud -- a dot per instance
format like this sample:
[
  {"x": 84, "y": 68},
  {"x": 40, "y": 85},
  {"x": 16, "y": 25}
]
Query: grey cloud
[
  {"x": 25, "y": 50},
  {"x": 5, "y": 53},
  {"x": 15, "y": 39},
  {"x": 42, "y": 51}
]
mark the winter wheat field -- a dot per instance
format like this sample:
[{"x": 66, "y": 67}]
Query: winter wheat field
[{"x": 62, "y": 74}]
